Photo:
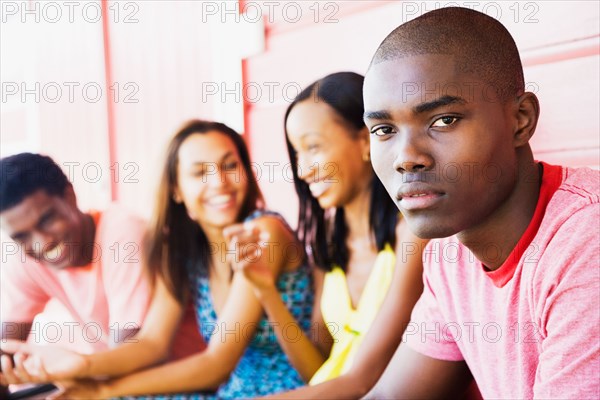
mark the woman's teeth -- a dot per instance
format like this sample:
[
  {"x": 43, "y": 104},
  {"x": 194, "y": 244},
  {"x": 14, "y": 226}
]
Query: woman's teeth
[
  {"x": 220, "y": 200},
  {"x": 318, "y": 188}
]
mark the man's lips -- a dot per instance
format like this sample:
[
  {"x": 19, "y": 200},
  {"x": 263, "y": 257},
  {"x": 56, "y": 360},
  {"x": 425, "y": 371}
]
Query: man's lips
[{"x": 418, "y": 196}]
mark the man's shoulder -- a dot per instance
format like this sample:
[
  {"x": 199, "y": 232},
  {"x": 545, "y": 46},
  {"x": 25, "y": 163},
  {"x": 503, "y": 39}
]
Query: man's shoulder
[
  {"x": 580, "y": 185},
  {"x": 577, "y": 196},
  {"x": 117, "y": 213},
  {"x": 118, "y": 221},
  {"x": 120, "y": 218},
  {"x": 569, "y": 237}
]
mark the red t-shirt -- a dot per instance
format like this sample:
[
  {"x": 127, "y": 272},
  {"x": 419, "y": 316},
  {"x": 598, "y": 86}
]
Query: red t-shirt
[
  {"x": 97, "y": 300},
  {"x": 530, "y": 329}
]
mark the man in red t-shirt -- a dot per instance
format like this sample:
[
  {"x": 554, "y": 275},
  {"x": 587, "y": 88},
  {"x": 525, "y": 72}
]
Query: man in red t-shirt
[
  {"x": 512, "y": 294},
  {"x": 88, "y": 262}
]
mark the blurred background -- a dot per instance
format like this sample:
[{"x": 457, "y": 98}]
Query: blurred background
[{"x": 102, "y": 85}]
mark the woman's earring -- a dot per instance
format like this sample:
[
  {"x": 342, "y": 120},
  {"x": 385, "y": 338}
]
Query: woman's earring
[
  {"x": 176, "y": 198},
  {"x": 366, "y": 157}
]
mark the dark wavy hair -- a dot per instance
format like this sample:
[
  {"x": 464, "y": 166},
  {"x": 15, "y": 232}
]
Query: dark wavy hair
[
  {"x": 323, "y": 236},
  {"x": 23, "y": 174},
  {"x": 176, "y": 245}
]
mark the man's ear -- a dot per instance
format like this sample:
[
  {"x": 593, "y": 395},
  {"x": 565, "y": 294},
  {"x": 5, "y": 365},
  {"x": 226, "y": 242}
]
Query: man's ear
[
  {"x": 527, "y": 115},
  {"x": 70, "y": 196}
]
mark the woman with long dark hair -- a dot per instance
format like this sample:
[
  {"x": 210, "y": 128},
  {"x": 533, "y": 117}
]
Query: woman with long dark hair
[
  {"x": 368, "y": 274},
  {"x": 195, "y": 246}
]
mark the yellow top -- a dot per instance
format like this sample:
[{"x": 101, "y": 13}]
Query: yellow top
[{"x": 348, "y": 326}]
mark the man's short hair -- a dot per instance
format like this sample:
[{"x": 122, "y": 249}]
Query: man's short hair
[
  {"x": 480, "y": 44},
  {"x": 23, "y": 174}
]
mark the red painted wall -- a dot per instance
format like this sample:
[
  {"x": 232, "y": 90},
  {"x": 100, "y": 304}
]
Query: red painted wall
[
  {"x": 143, "y": 64},
  {"x": 558, "y": 41},
  {"x": 150, "y": 60}
]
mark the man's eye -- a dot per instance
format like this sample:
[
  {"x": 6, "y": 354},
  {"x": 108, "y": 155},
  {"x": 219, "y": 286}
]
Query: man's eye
[
  {"x": 20, "y": 238},
  {"x": 382, "y": 131},
  {"x": 444, "y": 121},
  {"x": 47, "y": 220}
]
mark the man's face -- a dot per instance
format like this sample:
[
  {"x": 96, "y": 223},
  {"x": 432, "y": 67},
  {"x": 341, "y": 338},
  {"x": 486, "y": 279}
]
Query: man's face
[
  {"x": 49, "y": 228},
  {"x": 441, "y": 143}
]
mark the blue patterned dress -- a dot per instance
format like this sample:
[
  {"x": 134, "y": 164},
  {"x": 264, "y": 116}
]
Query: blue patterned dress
[{"x": 264, "y": 368}]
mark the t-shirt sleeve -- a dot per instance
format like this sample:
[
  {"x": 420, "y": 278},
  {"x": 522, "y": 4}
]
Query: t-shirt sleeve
[
  {"x": 425, "y": 333},
  {"x": 21, "y": 296},
  {"x": 126, "y": 284},
  {"x": 569, "y": 363}
]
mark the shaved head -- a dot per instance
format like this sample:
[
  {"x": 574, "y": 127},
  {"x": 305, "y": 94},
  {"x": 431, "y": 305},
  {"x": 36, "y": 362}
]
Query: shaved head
[{"x": 481, "y": 46}]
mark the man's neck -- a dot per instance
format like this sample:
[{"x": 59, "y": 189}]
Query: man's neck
[
  {"x": 493, "y": 240},
  {"x": 87, "y": 242}
]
